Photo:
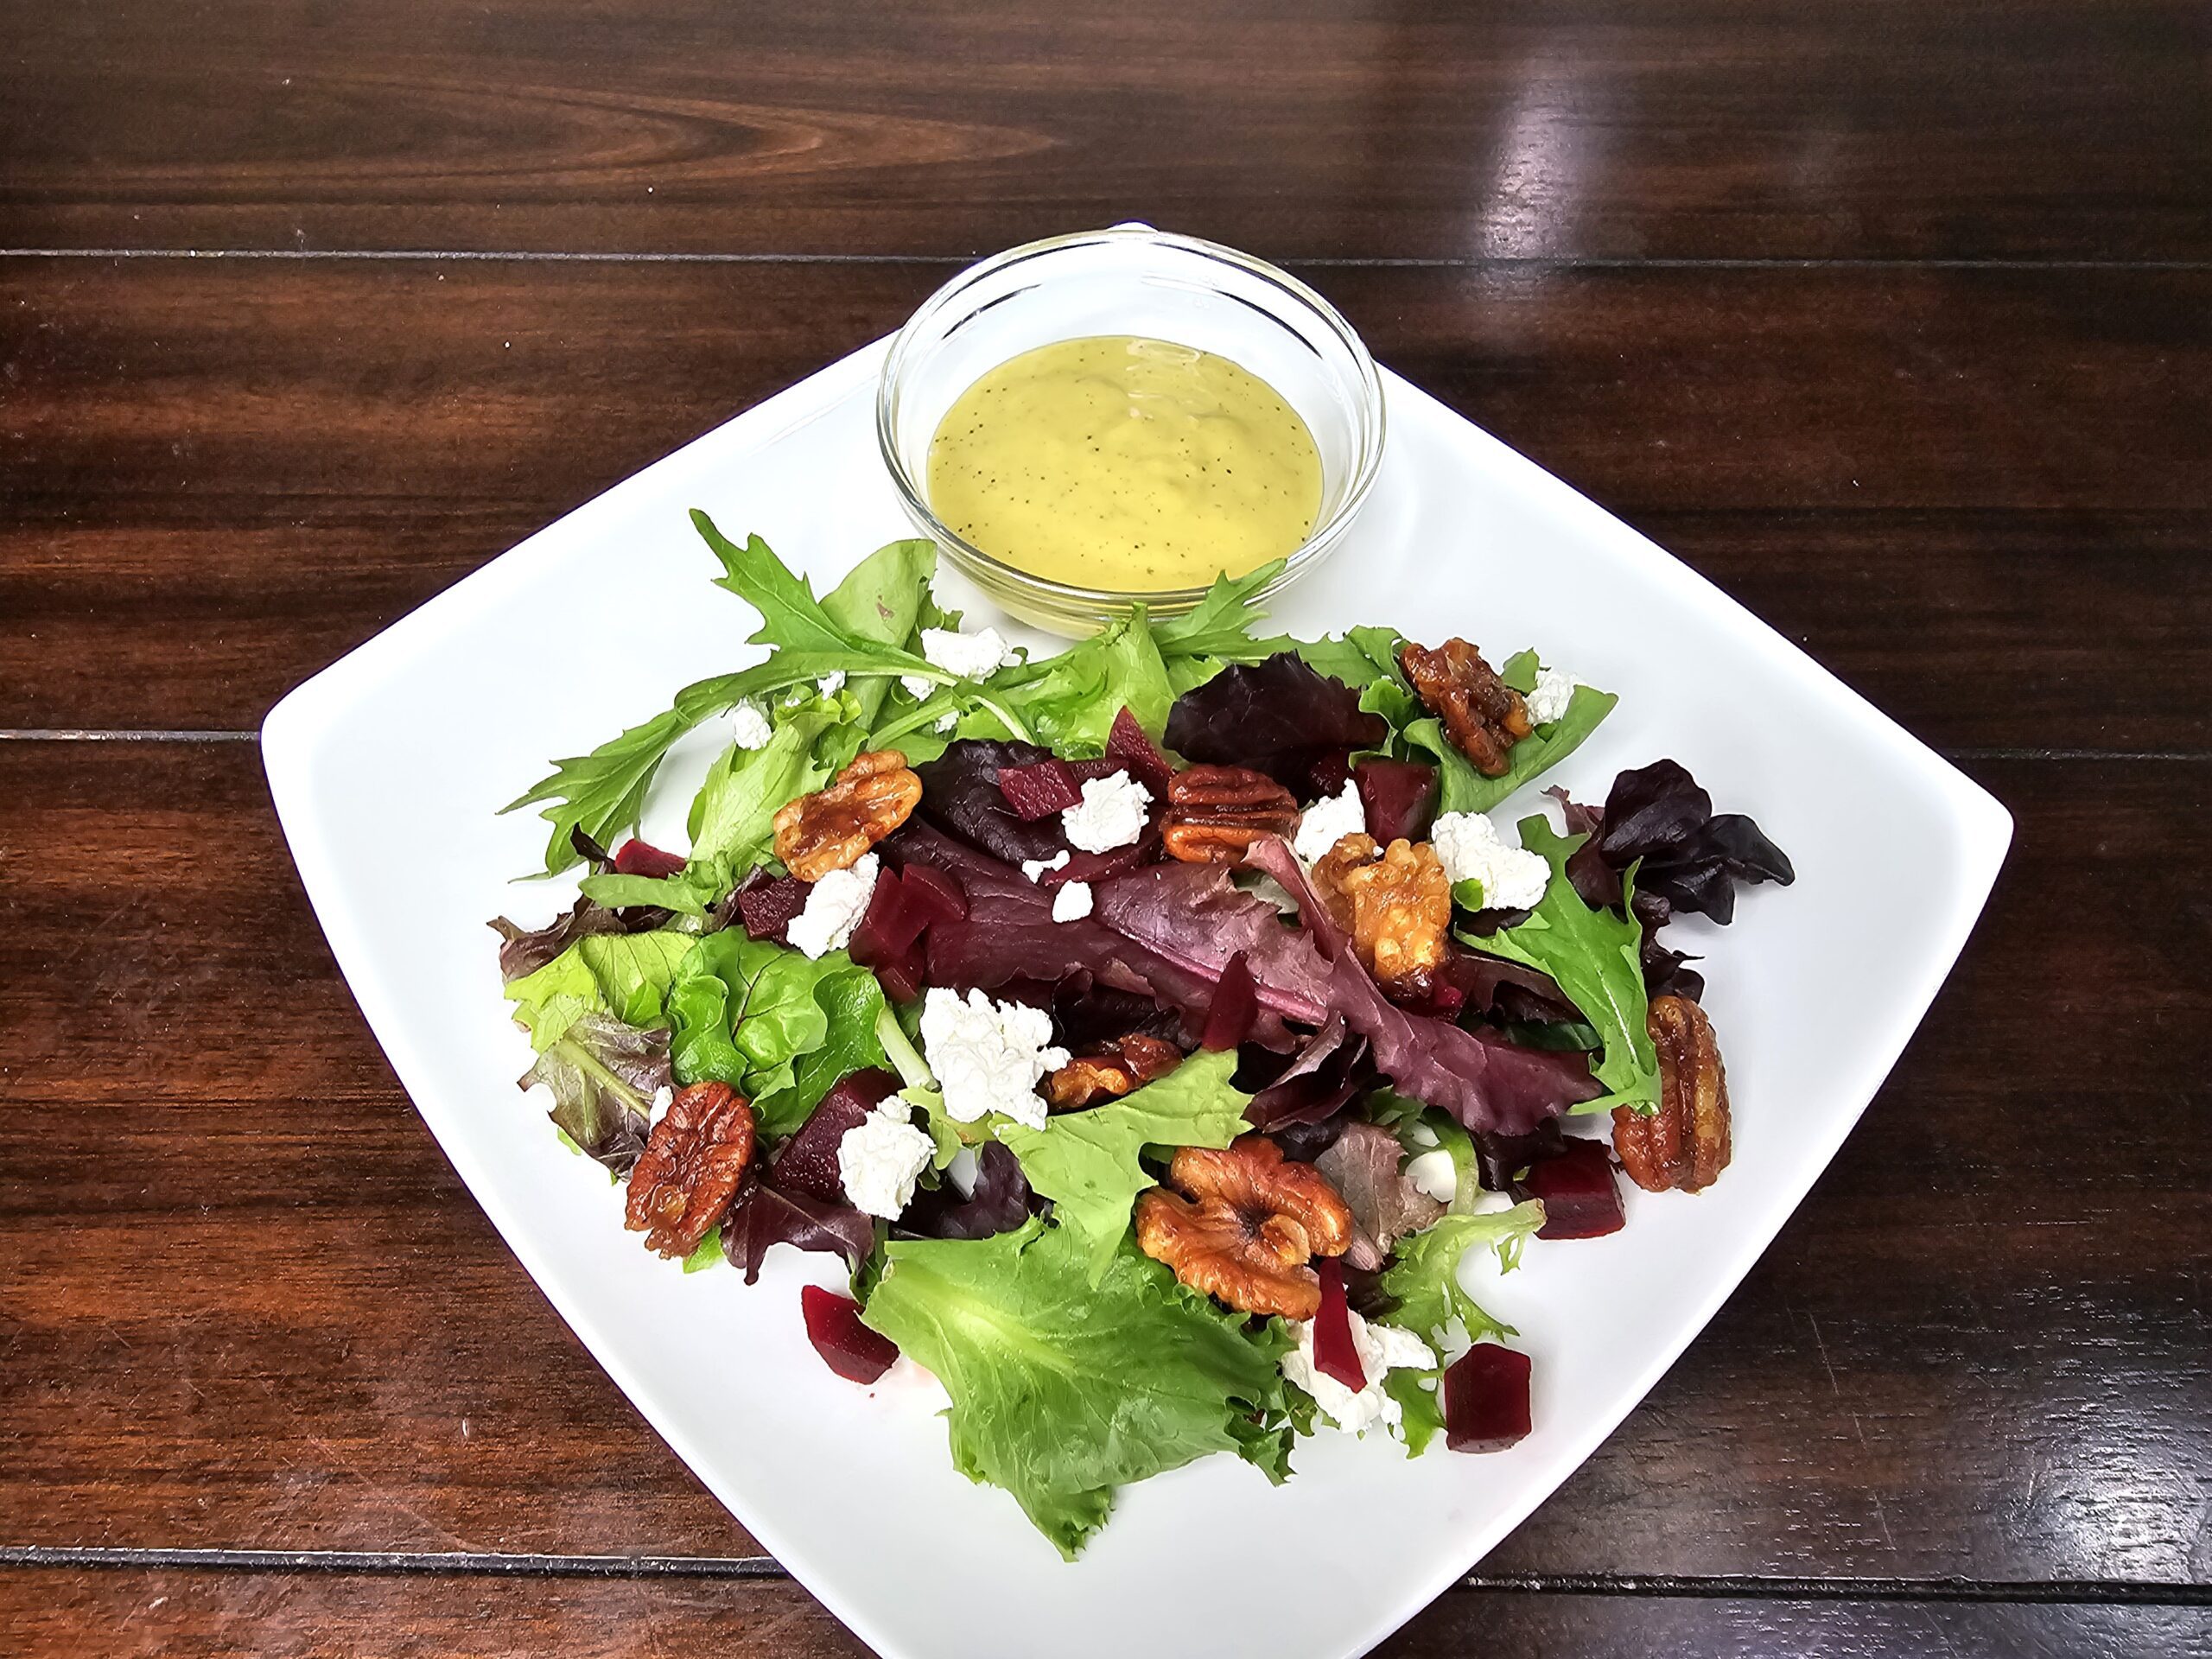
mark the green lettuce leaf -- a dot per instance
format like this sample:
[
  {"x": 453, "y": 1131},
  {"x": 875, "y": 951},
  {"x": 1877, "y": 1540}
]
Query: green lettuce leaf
[
  {"x": 1465, "y": 789},
  {"x": 625, "y": 976},
  {"x": 1089, "y": 1163},
  {"x": 603, "y": 1076},
  {"x": 1069, "y": 701},
  {"x": 880, "y": 601},
  {"x": 1425, "y": 1276},
  {"x": 850, "y": 999},
  {"x": 1065, "y": 1386},
  {"x": 1220, "y": 624},
  {"x": 747, "y": 1011},
  {"x": 1419, "y": 1396},
  {"x": 1595, "y": 956}
]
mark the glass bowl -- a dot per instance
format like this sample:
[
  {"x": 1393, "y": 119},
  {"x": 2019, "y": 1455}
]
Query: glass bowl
[{"x": 1129, "y": 279}]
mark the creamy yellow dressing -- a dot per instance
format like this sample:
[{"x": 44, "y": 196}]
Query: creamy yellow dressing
[{"x": 1120, "y": 463}]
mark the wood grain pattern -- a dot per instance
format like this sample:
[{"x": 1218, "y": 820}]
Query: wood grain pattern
[
  {"x": 172, "y": 1614},
  {"x": 244, "y": 1302},
  {"x": 222, "y": 475},
  {"x": 1299, "y": 128}
]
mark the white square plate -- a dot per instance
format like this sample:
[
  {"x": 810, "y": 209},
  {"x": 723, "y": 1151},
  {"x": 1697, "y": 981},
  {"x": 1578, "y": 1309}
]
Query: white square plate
[{"x": 415, "y": 738}]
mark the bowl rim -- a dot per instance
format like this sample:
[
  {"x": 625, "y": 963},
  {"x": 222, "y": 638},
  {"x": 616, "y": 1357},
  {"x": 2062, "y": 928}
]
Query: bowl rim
[{"x": 1374, "y": 424}]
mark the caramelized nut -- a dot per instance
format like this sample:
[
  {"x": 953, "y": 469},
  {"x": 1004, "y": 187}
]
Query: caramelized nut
[
  {"x": 1250, "y": 1226},
  {"x": 1110, "y": 1071},
  {"x": 1215, "y": 813},
  {"x": 833, "y": 828},
  {"x": 1483, "y": 716},
  {"x": 690, "y": 1168},
  {"x": 1686, "y": 1142},
  {"x": 1397, "y": 906}
]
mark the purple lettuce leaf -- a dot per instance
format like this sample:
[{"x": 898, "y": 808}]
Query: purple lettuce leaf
[
  {"x": 1366, "y": 1166},
  {"x": 1002, "y": 1201},
  {"x": 1196, "y": 916},
  {"x": 523, "y": 951},
  {"x": 1483, "y": 1081},
  {"x": 603, "y": 1075},
  {"x": 765, "y": 1217},
  {"x": 960, "y": 796},
  {"x": 1690, "y": 856},
  {"x": 1278, "y": 716},
  {"x": 1320, "y": 1081}
]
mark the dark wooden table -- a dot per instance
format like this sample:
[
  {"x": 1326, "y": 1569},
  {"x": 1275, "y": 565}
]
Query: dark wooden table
[{"x": 1891, "y": 317}]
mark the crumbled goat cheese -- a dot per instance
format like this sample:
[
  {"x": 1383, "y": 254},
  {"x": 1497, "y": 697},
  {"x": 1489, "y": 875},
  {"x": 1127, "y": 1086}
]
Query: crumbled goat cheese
[
  {"x": 1328, "y": 821},
  {"x": 1554, "y": 690},
  {"x": 1072, "y": 902},
  {"x": 1034, "y": 869},
  {"x": 1468, "y": 847},
  {"x": 749, "y": 727},
  {"x": 946, "y": 721},
  {"x": 1111, "y": 813},
  {"x": 664, "y": 1097},
  {"x": 1435, "y": 1175},
  {"x": 835, "y": 906},
  {"x": 881, "y": 1156},
  {"x": 988, "y": 1057},
  {"x": 1382, "y": 1349},
  {"x": 971, "y": 656},
  {"x": 831, "y": 684}
]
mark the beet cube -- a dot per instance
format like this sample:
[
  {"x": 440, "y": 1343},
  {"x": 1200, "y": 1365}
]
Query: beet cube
[
  {"x": 1039, "y": 789},
  {"x": 765, "y": 905},
  {"x": 642, "y": 858},
  {"x": 1134, "y": 753},
  {"x": 1335, "y": 1355},
  {"x": 1582, "y": 1199},
  {"x": 1400, "y": 797},
  {"x": 847, "y": 1346},
  {"x": 1486, "y": 1399},
  {"x": 807, "y": 1163},
  {"x": 889, "y": 926}
]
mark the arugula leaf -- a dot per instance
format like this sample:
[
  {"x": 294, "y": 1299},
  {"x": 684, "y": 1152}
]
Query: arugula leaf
[
  {"x": 1596, "y": 958},
  {"x": 746, "y": 1011},
  {"x": 1220, "y": 624},
  {"x": 790, "y": 616},
  {"x": 625, "y": 975},
  {"x": 1088, "y": 1163},
  {"x": 1363, "y": 658},
  {"x": 1425, "y": 1277},
  {"x": 880, "y": 601},
  {"x": 1065, "y": 1385}
]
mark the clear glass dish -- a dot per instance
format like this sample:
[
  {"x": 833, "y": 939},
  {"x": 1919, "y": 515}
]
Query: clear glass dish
[{"x": 1129, "y": 279}]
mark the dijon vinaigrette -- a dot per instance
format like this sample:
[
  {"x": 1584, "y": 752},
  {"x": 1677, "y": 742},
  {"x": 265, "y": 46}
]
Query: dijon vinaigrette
[{"x": 1127, "y": 464}]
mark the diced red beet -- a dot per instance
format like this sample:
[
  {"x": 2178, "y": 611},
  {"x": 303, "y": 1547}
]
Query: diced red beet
[
  {"x": 1334, "y": 1353},
  {"x": 807, "y": 1162},
  {"x": 1090, "y": 771},
  {"x": 1039, "y": 789},
  {"x": 765, "y": 905},
  {"x": 932, "y": 894},
  {"x": 1582, "y": 1199},
  {"x": 642, "y": 858},
  {"x": 1486, "y": 1399},
  {"x": 847, "y": 1346},
  {"x": 1400, "y": 797},
  {"x": 904, "y": 978},
  {"x": 888, "y": 927},
  {"x": 1127, "y": 745},
  {"x": 1234, "y": 1007}
]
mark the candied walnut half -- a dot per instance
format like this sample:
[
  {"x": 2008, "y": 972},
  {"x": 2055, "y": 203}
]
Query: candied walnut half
[
  {"x": 1685, "y": 1143},
  {"x": 1250, "y": 1226},
  {"x": 1110, "y": 1071},
  {"x": 1396, "y": 904},
  {"x": 833, "y": 828},
  {"x": 1483, "y": 716},
  {"x": 1215, "y": 813},
  {"x": 689, "y": 1171}
]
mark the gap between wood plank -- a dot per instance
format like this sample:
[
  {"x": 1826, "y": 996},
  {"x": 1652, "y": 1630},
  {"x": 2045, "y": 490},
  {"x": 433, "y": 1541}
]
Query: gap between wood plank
[
  {"x": 1329, "y": 261},
  {"x": 2083, "y": 1591}
]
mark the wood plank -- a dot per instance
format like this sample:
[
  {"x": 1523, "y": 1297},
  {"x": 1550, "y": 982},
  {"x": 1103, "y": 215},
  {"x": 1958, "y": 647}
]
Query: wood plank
[
  {"x": 184, "y": 1614},
  {"x": 1300, "y": 128},
  {"x": 244, "y": 1302},
  {"x": 223, "y": 474}
]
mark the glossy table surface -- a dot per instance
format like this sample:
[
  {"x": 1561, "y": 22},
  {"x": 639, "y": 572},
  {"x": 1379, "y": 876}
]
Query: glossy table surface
[{"x": 1894, "y": 319}]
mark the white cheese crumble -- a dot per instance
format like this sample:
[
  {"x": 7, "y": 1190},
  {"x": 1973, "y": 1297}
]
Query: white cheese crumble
[
  {"x": 1468, "y": 847},
  {"x": 1328, "y": 821},
  {"x": 1034, "y": 869},
  {"x": 971, "y": 656},
  {"x": 1382, "y": 1349},
  {"x": 880, "y": 1158},
  {"x": 831, "y": 684},
  {"x": 749, "y": 727},
  {"x": 835, "y": 906},
  {"x": 664, "y": 1097},
  {"x": 988, "y": 1057},
  {"x": 1434, "y": 1175},
  {"x": 1072, "y": 902},
  {"x": 1554, "y": 690},
  {"x": 946, "y": 721},
  {"x": 1111, "y": 813}
]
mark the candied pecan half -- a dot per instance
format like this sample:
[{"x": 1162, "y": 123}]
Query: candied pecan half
[
  {"x": 1250, "y": 1226},
  {"x": 1483, "y": 716},
  {"x": 1110, "y": 1071},
  {"x": 689, "y": 1171},
  {"x": 833, "y": 828},
  {"x": 1397, "y": 906},
  {"x": 1685, "y": 1143},
  {"x": 1214, "y": 813}
]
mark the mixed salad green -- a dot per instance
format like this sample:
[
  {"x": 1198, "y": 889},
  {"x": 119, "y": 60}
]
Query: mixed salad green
[{"x": 991, "y": 973}]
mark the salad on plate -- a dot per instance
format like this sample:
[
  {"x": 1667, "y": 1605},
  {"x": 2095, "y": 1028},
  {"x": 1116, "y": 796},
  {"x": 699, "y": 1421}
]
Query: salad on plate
[{"x": 1153, "y": 1027}]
